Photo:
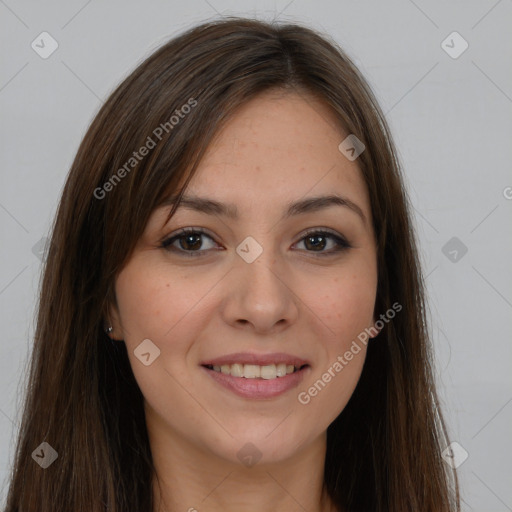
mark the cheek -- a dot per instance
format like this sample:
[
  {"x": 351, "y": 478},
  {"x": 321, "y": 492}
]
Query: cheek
[
  {"x": 330, "y": 389},
  {"x": 139, "y": 301},
  {"x": 346, "y": 308},
  {"x": 346, "y": 303},
  {"x": 157, "y": 306},
  {"x": 169, "y": 310},
  {"x": 153, "y": 303}
]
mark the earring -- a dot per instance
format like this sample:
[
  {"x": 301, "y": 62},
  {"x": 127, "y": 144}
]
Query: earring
[{"x": 109, "y": 329}]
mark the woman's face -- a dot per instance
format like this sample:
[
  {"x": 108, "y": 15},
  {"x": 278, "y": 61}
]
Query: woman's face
[{"x": 262, "y": 292}]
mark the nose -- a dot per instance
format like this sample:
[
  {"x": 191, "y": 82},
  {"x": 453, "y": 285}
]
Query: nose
[{"x": 260, "y": 296}]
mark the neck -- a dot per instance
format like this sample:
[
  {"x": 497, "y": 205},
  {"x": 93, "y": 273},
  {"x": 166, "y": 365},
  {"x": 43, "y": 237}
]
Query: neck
[{"x": 191, "y": 478}]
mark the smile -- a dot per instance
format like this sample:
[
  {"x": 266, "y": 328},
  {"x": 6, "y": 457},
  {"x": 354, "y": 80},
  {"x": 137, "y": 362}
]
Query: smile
[
  {"x": 256, "y": 376},
  {"x": 254, "y": 371}
]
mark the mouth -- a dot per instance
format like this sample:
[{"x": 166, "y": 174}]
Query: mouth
[{"x": 257, "y": 377}]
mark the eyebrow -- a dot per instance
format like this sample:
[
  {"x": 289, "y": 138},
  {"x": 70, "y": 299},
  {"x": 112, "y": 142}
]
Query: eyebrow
[{"x": 303, "y": 206}]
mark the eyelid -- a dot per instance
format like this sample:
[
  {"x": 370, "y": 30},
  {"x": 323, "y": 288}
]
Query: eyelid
[{"x": 327, "y": 231}]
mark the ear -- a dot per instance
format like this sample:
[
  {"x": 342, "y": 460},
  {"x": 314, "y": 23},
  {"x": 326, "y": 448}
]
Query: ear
[{"x": 113, "y": 319}]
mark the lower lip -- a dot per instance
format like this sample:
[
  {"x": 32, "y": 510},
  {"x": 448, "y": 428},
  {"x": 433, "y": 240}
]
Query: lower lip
[{"x": 258, "y": 388}]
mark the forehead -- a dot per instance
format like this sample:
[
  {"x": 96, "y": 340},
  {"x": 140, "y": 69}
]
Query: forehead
[{"x": 278, "y": 148}]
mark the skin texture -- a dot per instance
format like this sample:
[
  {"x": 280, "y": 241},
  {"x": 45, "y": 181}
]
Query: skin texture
[{"x": 278, "y": 148}]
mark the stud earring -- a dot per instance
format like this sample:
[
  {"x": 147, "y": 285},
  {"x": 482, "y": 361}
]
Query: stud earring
[{"x": 109, "y": 329}]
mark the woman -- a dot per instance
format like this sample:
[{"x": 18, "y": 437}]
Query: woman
[{"x": 232, "y": 314}]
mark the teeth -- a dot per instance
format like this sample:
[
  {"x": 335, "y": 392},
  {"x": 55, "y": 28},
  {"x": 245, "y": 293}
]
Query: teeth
[
  {"x": 251, "y": 371},
  {"x": 281, "y": 369},
  {"x": 237, "y": 370},
  {"x": 268, "y": 372},
  {"x": 254, "y": 371}
]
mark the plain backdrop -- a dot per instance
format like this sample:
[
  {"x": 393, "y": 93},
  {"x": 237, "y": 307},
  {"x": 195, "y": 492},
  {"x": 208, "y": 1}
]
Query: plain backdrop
[{"x": 450, "y": 113}]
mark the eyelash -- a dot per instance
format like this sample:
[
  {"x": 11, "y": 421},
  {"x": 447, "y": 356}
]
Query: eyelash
[{"x": 342, "y": 244}]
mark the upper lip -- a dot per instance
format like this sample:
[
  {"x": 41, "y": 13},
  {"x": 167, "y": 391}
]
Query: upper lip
[{"x": 258, "y": 359}]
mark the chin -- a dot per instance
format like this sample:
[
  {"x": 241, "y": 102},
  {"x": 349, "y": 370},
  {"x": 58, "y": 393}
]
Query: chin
[{"x": 259, "y": 445}]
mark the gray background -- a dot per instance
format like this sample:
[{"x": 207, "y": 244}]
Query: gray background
[{"x": 451, "y": 118}]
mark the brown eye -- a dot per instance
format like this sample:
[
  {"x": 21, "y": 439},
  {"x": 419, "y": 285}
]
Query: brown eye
[
  {"x": 189, "y": 242},
  {"x": 317, "y": 241}
]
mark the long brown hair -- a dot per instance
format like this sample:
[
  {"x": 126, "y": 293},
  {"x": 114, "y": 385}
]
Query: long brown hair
[{"x": 384, "y": 449}]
